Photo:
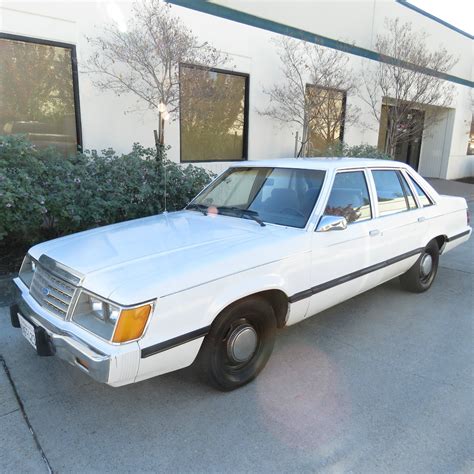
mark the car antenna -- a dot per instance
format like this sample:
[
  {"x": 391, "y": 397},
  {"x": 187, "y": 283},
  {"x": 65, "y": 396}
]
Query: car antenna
[
  {"x": 163, "y": 116},
  {"x": 166, "y": 186}
]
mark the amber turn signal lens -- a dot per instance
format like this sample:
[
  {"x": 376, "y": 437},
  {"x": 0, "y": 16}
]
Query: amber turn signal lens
[{"x": 131, "y": 323}]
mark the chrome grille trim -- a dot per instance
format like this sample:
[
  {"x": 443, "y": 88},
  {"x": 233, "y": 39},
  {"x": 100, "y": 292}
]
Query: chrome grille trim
[
  {"x": 60, "y": 271},
  {"x": 52, "y": 292}
]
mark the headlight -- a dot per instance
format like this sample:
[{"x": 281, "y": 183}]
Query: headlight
[
  {"x": 27, "y": 270},
  {"x": 109, "y": 321}
]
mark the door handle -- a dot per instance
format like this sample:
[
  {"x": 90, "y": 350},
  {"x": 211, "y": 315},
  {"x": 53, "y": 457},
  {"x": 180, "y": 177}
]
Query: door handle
[
  {"x": 421, "y": 219},
  {"x": 374, "y": 232}
]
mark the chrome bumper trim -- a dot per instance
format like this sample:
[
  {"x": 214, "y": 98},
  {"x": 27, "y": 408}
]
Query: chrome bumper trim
[{"x": 67, "y": 346}]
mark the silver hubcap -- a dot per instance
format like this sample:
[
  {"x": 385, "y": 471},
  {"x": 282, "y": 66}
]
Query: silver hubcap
[
  {"x": 242, "y": 343},
  {"x": 426, "y": 264}
]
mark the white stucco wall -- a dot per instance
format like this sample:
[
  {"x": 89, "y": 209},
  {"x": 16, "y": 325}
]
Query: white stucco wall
[{"x": 105, "y": 121}]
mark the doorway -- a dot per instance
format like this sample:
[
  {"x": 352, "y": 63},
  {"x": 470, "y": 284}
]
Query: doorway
[{"x": 410, "y": 135}]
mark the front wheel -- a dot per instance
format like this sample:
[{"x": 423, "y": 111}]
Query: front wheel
[
  {"x": 239, "y": 344},
  {"x": 421, "y": 275}
]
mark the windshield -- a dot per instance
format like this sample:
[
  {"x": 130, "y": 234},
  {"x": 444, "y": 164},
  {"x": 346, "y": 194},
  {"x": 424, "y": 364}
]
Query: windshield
[{"x": 281, "y": 196}]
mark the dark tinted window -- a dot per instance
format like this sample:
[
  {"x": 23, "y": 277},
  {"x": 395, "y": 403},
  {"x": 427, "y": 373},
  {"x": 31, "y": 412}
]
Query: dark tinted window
[
  {"x": 326, "y": 117},
  {"x": 391, "y": 195},
  {"x": 37, "y": 94},
  {"x": 424, "y": 199},
  {"x": 212, "y": 114},
  {"x": 470, "y": 145},
  {"x": 349, "y": 197},
  {"x": 277, "y": 195}
]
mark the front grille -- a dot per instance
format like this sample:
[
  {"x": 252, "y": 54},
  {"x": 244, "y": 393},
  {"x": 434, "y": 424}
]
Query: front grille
[{"x": 51, "y": 292}]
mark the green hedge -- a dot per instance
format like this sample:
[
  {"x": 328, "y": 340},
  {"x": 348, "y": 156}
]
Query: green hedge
[
  {"x": 356, "y": 151},
  {"x": 45, "y": 195}
]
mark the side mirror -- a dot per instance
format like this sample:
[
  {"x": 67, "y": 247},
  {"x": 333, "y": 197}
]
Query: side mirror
[{"x": 327, "y": 223}]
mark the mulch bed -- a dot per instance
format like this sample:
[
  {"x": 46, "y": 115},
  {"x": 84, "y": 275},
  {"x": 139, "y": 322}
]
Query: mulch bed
[{"x": 11, "y": 257}]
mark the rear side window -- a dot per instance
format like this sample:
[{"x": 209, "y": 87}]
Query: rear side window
[
  {"x": 391, "y": 194},
  {"x": 409, "y": 195},
  {"x": 424, "y": 199},
  {"x": 349, "y": 197}
]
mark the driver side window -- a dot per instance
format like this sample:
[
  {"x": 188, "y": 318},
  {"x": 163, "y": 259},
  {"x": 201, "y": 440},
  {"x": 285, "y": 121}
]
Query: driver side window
[{"x": 349, "y": 197}]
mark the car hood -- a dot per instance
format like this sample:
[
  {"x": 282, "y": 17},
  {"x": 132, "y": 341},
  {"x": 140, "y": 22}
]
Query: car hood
[{"x": 163, "y": 254}]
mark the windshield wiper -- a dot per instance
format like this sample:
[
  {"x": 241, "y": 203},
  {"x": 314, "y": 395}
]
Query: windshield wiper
[
  {"x": 198, "y": 207},
  {"x": 243, "y": 213}
]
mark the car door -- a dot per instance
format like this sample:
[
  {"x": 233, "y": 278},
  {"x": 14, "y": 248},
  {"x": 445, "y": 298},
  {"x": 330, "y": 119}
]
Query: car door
[
  {"x": 398, "y": 226},
  {"x": 425, "y": 203},
  {"x": 340, "y": 256}
]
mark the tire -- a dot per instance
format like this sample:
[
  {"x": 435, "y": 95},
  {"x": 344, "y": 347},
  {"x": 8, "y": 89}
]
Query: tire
[
  {"x": 421, "y": 275},
  {"x": 239, "y": 344}
]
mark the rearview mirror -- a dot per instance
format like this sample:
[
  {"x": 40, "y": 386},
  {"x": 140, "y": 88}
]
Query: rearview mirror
[{"x": 327, "y": 223}]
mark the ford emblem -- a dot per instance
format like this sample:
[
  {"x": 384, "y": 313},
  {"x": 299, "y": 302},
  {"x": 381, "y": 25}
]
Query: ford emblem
[{"x": 45, "y": 291}]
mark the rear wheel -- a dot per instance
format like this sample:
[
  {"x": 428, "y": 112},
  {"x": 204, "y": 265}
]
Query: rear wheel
[
  {"x": 421, "y": 275},
  {"x": 239, "y": 344}
]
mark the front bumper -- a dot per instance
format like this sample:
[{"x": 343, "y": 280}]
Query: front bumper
[{"x": 60, "y": 338}]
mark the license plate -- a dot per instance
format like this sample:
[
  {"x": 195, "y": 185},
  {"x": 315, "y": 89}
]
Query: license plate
[{"x": 28, "y": 330}]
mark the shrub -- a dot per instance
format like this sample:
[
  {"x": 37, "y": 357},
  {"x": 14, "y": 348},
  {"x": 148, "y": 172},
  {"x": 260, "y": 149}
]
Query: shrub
[
  {"x": 356, "y": 151},
  {"x": 45, "y": 195}
]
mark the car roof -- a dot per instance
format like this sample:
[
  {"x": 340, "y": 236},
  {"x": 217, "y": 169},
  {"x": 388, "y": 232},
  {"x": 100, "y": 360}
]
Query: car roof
[{"x": 323, "y": 163}]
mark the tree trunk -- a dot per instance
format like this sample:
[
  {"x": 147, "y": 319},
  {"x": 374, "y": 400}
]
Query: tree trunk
[{"x": 160, "y": 137}]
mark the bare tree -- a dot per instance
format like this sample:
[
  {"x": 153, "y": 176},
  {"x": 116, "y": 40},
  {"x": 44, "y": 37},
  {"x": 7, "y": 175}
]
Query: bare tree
[
  {"x": 144, "y": 60},
  {"x": 408, "y": 82},
  {"x": 312, "y": 92}
]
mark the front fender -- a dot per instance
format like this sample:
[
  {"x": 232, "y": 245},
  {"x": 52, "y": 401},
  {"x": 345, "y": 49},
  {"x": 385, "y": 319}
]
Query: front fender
[{"x": 181, "y": 320}]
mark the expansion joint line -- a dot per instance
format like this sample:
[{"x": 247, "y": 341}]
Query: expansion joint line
[{"x": 25, "y": 416}]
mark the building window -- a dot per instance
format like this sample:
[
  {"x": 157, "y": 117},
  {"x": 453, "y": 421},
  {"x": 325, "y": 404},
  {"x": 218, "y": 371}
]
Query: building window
[
  {"x": 326, "y": 121},
  {"x": 213, "y": 114},
  {"x": 38, "y": 92},
  {"x": 470, "y": 145}
]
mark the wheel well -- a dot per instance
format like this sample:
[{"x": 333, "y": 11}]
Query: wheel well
[
  {"x": 441, "y": 241},
  {"x": 279, "y": 301}
]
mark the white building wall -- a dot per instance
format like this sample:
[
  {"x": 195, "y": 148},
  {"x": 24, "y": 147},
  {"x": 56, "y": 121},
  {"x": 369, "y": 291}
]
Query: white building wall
[
  {"x": 436, "y": 143},
  {"x": 459, "y": 164},
  {"x": 106, "y": 122}
]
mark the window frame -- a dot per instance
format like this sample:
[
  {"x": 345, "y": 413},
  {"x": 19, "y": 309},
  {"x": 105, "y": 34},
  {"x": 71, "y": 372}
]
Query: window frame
[
  {"x": 74, "y": 71},
  {"x": 245, "y": 133},
  {"x": 470, "y": 139},
  {"x": 315, "y": 211},
  {"x": 309, "y": 85},
  {"x": 368, "y": 183},
  {"x": 403, "y": 172},
  {"x": 410, "y": 179},
  {"x": 404, "y": 181}
]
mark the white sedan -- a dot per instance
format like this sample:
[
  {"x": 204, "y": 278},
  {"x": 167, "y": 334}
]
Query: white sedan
[{"x": 265, "y": 245}]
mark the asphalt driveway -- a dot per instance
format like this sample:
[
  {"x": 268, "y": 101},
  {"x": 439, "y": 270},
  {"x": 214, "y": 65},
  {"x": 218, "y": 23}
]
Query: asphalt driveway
[{"x": 381, "y": 383}]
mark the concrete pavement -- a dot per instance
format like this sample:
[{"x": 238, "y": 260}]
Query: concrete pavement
[
  {"x": 380, "y": 383},
  {"x": 453, "y": 188},
  {"x": 19, "y": 450}
]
